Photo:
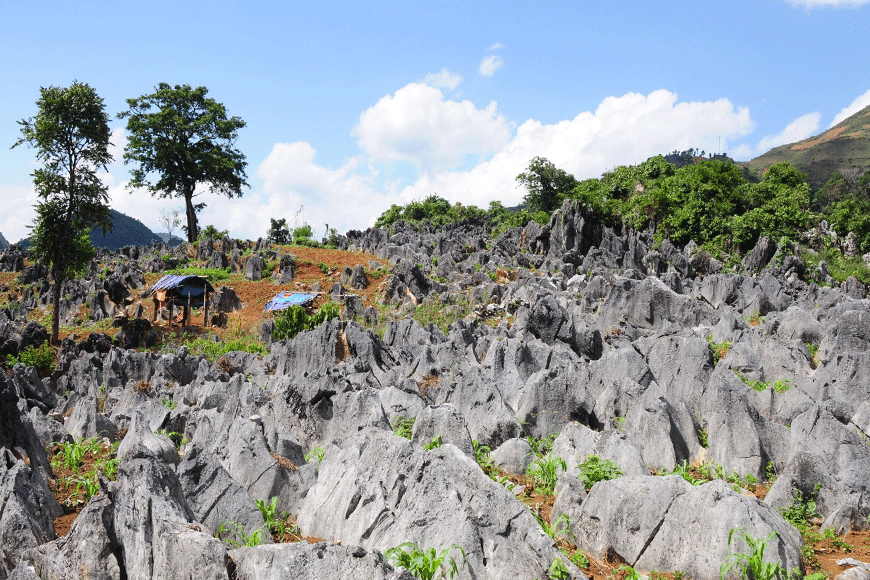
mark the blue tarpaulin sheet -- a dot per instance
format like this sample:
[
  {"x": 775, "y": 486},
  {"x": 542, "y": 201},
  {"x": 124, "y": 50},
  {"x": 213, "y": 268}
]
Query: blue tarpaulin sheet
[{"x": 284, "y": 300}]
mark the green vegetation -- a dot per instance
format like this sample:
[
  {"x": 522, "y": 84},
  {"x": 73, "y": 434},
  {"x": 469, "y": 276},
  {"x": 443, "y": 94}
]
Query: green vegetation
[
  {"x": 185, "y": 138},
  {"x": 80, "y": 485},
  {"x": 482, "y": 457},
  {"x": 710, "y": 202},
  {"x": 178, "y": 439},
  {"x": 403, "y": 426},
  {"x": 440, "y": 314},
  {"x": 234, "y": 534},
  {"x": 278, "y": 232},
  {"x": 802, "y": 509},
  {"x": 317, "y": 453},
  {"x": 424, "y": 564},
  {"x": 211, "y": 274},
  {"x": 276, "y": 521},
  {"x": 214, "y": 350},
  {"x": 542, "y": 445},
  {"x": 293, "y": 320},
  {"x": 558, "y": 570},
  {"x": 779, "y": 385},
  {"x": 596, "y": 469},
  {"x": 435, "y": 443},
  {"x": 545, "y": 471},
  {"x": 546, "y": 185},
  {"x": 840, "y": 266},
  {"x": 719, "y": 350},
  {"x": 70, "y": 134},
  {"x": 436, "y": 211},
  {"x": 42, "y": 358},
  {"x": 752, "y": 566}
]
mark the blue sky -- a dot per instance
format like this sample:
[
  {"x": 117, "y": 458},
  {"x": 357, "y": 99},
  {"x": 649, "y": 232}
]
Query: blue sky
[{"x": 352, "y": 106}]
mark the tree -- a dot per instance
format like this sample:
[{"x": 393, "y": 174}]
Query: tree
[
  {"x": 170, "y": 221},
  {"x": 279, "y": 233},
  {"x": 70, "y": 133},
  {"x": 546, "y": 184},
  {"x": 186, "y": 140}
]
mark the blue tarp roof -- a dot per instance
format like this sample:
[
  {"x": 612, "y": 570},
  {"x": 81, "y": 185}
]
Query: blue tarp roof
[
  {"x": 284, "y": 300},
  {"x": 183, "y": 285}
]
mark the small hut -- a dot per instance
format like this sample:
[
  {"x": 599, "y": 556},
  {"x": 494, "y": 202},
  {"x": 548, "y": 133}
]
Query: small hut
[{"x": 186, "y": 292}]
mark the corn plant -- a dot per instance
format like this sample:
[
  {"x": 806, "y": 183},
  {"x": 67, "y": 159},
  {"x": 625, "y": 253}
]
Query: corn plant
[
  {"x": 595, "y": 469},
  {"x": 482, "y": 457},
  {"x": 424, "y": 564},
  {"x": 752, "y": 565},
  {"x": 545, "y": 471},
  {"x": 275, "y": 521}
]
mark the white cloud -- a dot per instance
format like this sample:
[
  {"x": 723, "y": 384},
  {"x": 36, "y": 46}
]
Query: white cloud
[
  {"x": 489, "y": 65},
  {"x": 444, "y": 79},
  {"x": 496, "y": 46},
  {"x": 857, "y": 105},
  {"x": 117, "y": 143},
  {"x": 810, "y": 4},
  {"x": 417, "y": 124},
  {"x": 622, "y": 130},
  {"x": 344, "y": 198},
  {"x": 18, "y": 213},
  {"x": 798, "y": 130}
]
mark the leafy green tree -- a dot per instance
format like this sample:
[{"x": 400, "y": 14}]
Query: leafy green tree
[
  {"x": 185, "y": 139},
  {"x": 70, "y": 133},
  {"x": 546, "y": 185},
  {"x": 279, "y": 233},
  {"x": 777, "y": 207}
]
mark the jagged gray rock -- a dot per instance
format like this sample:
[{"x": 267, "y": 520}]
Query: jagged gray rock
[
  {"x": 386, "y": 491},
  {"x": 312, "y": 561}
]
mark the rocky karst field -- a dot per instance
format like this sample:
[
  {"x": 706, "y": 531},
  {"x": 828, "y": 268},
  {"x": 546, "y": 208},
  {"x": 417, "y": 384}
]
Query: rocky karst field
[{"x": 562, "y": 401}]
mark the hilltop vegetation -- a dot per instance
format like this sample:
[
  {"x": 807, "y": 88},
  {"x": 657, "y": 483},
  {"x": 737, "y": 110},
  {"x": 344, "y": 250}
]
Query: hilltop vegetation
[{"x": 844, "y": 145}]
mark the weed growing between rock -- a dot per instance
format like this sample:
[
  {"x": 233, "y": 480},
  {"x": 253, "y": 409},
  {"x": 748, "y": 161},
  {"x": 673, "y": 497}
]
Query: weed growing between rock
[
  {"x": 596, "y": 469},
  {"x": 77, "y": 467},
  {"x": 424, "y": 563},
  {"x": 752, "y": 566}
]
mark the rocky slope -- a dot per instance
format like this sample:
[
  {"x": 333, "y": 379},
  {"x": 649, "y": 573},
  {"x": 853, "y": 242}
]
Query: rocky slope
[{"x": 599, "y": 336}]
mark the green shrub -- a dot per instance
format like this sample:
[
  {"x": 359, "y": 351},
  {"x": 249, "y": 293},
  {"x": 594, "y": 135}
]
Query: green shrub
[
  {"x": 718, "y": 349},
  {"x": 211, "y": 274},
  {"x": 424, "y": 564},
  {"x": 214, "y": 350},
  {"x": 295, "y": 319},
  {"x": 403, "y": 426},
  {"x": 802, "y": 509},
  {"x": 596, "y": 469},
  {"x": 42, "y": 358}
]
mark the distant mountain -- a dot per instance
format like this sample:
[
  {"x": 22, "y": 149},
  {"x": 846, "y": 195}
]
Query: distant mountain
[
  {"x": 3, "y": 242},
  {"x": 126, "y": 231},
  {"x": 843, "y": 145},
  {"x": 165, "y": 236}
]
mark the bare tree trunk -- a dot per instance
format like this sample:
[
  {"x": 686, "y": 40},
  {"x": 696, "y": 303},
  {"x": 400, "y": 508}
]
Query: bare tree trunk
[{"x": 192, "y": 230}]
